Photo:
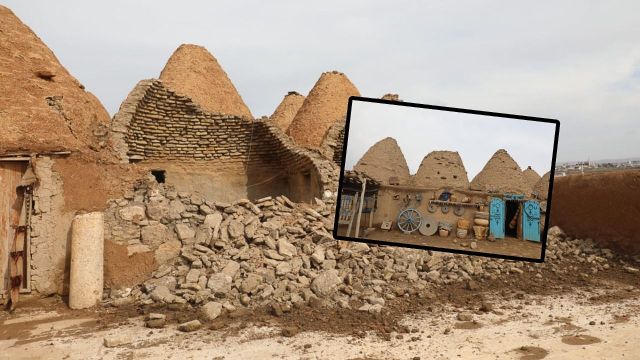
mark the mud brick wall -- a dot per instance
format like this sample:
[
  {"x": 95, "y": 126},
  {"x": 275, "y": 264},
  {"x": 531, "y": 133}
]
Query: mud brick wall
[{"x": 156, "y": 124}]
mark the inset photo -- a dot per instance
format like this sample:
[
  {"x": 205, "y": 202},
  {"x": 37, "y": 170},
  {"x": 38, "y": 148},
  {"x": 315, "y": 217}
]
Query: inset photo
[{"x": 446, "y": 179}]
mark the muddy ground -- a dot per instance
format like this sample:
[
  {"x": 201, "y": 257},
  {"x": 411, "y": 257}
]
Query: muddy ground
[
  {"x": 520, "y": 317},
  {"x": 507, "y": 246}
]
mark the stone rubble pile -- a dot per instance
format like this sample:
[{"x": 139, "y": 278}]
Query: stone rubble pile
[{"x": 225, "y": 256}]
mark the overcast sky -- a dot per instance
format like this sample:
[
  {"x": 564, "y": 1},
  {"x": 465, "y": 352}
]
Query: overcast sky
[
  {"x": 475, "y": 137},
  {"x": 576, "y": 61}
]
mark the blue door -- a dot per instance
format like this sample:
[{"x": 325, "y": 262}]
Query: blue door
[
  {"x": 497, "y": 214},
  {"x": 531, "y": 221}
]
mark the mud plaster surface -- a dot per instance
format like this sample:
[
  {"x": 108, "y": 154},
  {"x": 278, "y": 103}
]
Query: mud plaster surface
[
  {"x": 192, "y": 71},
  {"x": 603, "y": 207},
  {"x": 326, "y": 103},
  {"x": 500, "y": 174},
  {"x": 125, "y": 270},
  {"x": 383, "y": 160},
  {"x": 287, "y": 110}
]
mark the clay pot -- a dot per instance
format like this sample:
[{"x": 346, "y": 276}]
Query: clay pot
[
  {"x": 443, "y": 232},
  {"x": 463, "y": 224},
  {"x": 481, "y": 222},
  {"x": 480, "y": 232},
  {"x": 462, "y": 233}
]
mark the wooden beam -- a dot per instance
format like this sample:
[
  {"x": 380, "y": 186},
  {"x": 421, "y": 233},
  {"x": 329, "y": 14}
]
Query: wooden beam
[
  {"x": 355, "y": 204},
  {"x": 364, "y": 187}
]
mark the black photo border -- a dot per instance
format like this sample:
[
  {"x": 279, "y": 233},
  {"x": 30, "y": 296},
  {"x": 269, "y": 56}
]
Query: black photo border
[{"x": 459, "y": 110}]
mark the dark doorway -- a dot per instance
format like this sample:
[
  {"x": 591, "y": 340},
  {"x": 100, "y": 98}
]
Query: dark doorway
[
  {"x": 159, "y": 175},
  {"x": 511, "y": 225}
]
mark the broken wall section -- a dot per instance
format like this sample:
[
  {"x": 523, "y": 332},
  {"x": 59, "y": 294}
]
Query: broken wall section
[{"x": 156, "y": 125}]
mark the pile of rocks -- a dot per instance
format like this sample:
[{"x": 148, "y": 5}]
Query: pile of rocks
[{"x": 222, "y": 256}]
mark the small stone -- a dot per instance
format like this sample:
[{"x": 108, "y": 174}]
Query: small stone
[
  {"x": 464, "y": 316},
  {"x": 290, "y": 331},
  {"x": 190, "y": 326},
  {"x": 115, "y": 341}
]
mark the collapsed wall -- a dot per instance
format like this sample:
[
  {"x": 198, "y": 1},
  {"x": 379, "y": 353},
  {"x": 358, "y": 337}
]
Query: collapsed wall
[
  {"x": 326, "y": 103},
  {"x": 603, "y": 207},
  {"x": 440, "y": 169},
  {"x": 223, "y": 156},
  {"x": 224, "y": 256},
  {"x": 501, "y": 174},
  {"x": 384, "y": 160},
  {"x": 332, "y": 144}
]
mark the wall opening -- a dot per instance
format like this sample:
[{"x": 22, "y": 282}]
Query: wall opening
[
  {"x": 511, "y": 225},
  {"x": 160, "y": 175}
]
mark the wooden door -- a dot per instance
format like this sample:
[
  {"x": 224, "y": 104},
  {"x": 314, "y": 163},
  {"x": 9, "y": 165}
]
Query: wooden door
[
  {"x": 531, "y": 221},
  {"x": 497, "y": 214},
  {"x": 10, "y": 205}
]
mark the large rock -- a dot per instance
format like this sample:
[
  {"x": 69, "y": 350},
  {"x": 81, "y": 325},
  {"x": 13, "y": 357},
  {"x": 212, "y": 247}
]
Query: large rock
[
  {"x": 285, "y": 248},
  {"x": 236, "y": 229},
  {"x": 211, "y": 310},
  {"x": 167, "y": 251},
  {"x": 213, "y": 220},
  {"x": 185, "y": 232},
  {"x": 326, "y": 283},
  {"x": 231, "y": 268},
  {"x": 132, "y": 213},
  {"x": 157, "y": 209},
  {"x": 219, "y": 283},
  {"x": 251, "y": 283},
  {"x": 176, "y": 208},
  {"x": 154, "y": 235}
]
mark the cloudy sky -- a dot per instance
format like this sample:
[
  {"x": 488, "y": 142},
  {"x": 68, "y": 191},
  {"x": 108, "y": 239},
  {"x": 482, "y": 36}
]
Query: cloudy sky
[
  {"x": 475, "y": 137},
  {"x": 576, "y": 61}
]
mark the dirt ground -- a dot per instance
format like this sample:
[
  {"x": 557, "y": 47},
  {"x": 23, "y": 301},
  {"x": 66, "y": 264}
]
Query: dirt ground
[
  {"x": 506, "y": 246},
  {"x": 557, "y": 317},
  {"x": 597, "y": 320}
]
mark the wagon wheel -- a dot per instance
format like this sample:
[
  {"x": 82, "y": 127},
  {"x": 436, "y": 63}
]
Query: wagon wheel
[
  {"x": 409, "y": 220},
  {"x": 459, "y": 210},
  {"x": 432, "y": 208},
  {"x": 444, "y": 209}
]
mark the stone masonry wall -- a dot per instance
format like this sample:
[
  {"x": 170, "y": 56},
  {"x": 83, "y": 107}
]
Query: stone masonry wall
[{"x": 156, "y": 124}]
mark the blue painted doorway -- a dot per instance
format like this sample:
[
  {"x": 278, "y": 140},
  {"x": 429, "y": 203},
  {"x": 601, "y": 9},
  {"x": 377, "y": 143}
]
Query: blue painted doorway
[
  {"x": 496, "y": 218},
  {"x": 531, "y": 221}
]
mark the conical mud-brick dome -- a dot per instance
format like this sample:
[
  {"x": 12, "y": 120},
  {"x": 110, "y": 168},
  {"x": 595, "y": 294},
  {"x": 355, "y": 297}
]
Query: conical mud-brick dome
[
  {"x": 531, "y": 177},
  {"x": 42, "y": 107},
  {"x": 287, "y": 110},
  {"x": 384, "y": 160},
  {"x": 193, "y": 72},
  {"x": 542, "y": 186},
  {"x": 501, "y": 174},
  {"x": 442, "y": 169},
  {"x": 326, "y": 103}
]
